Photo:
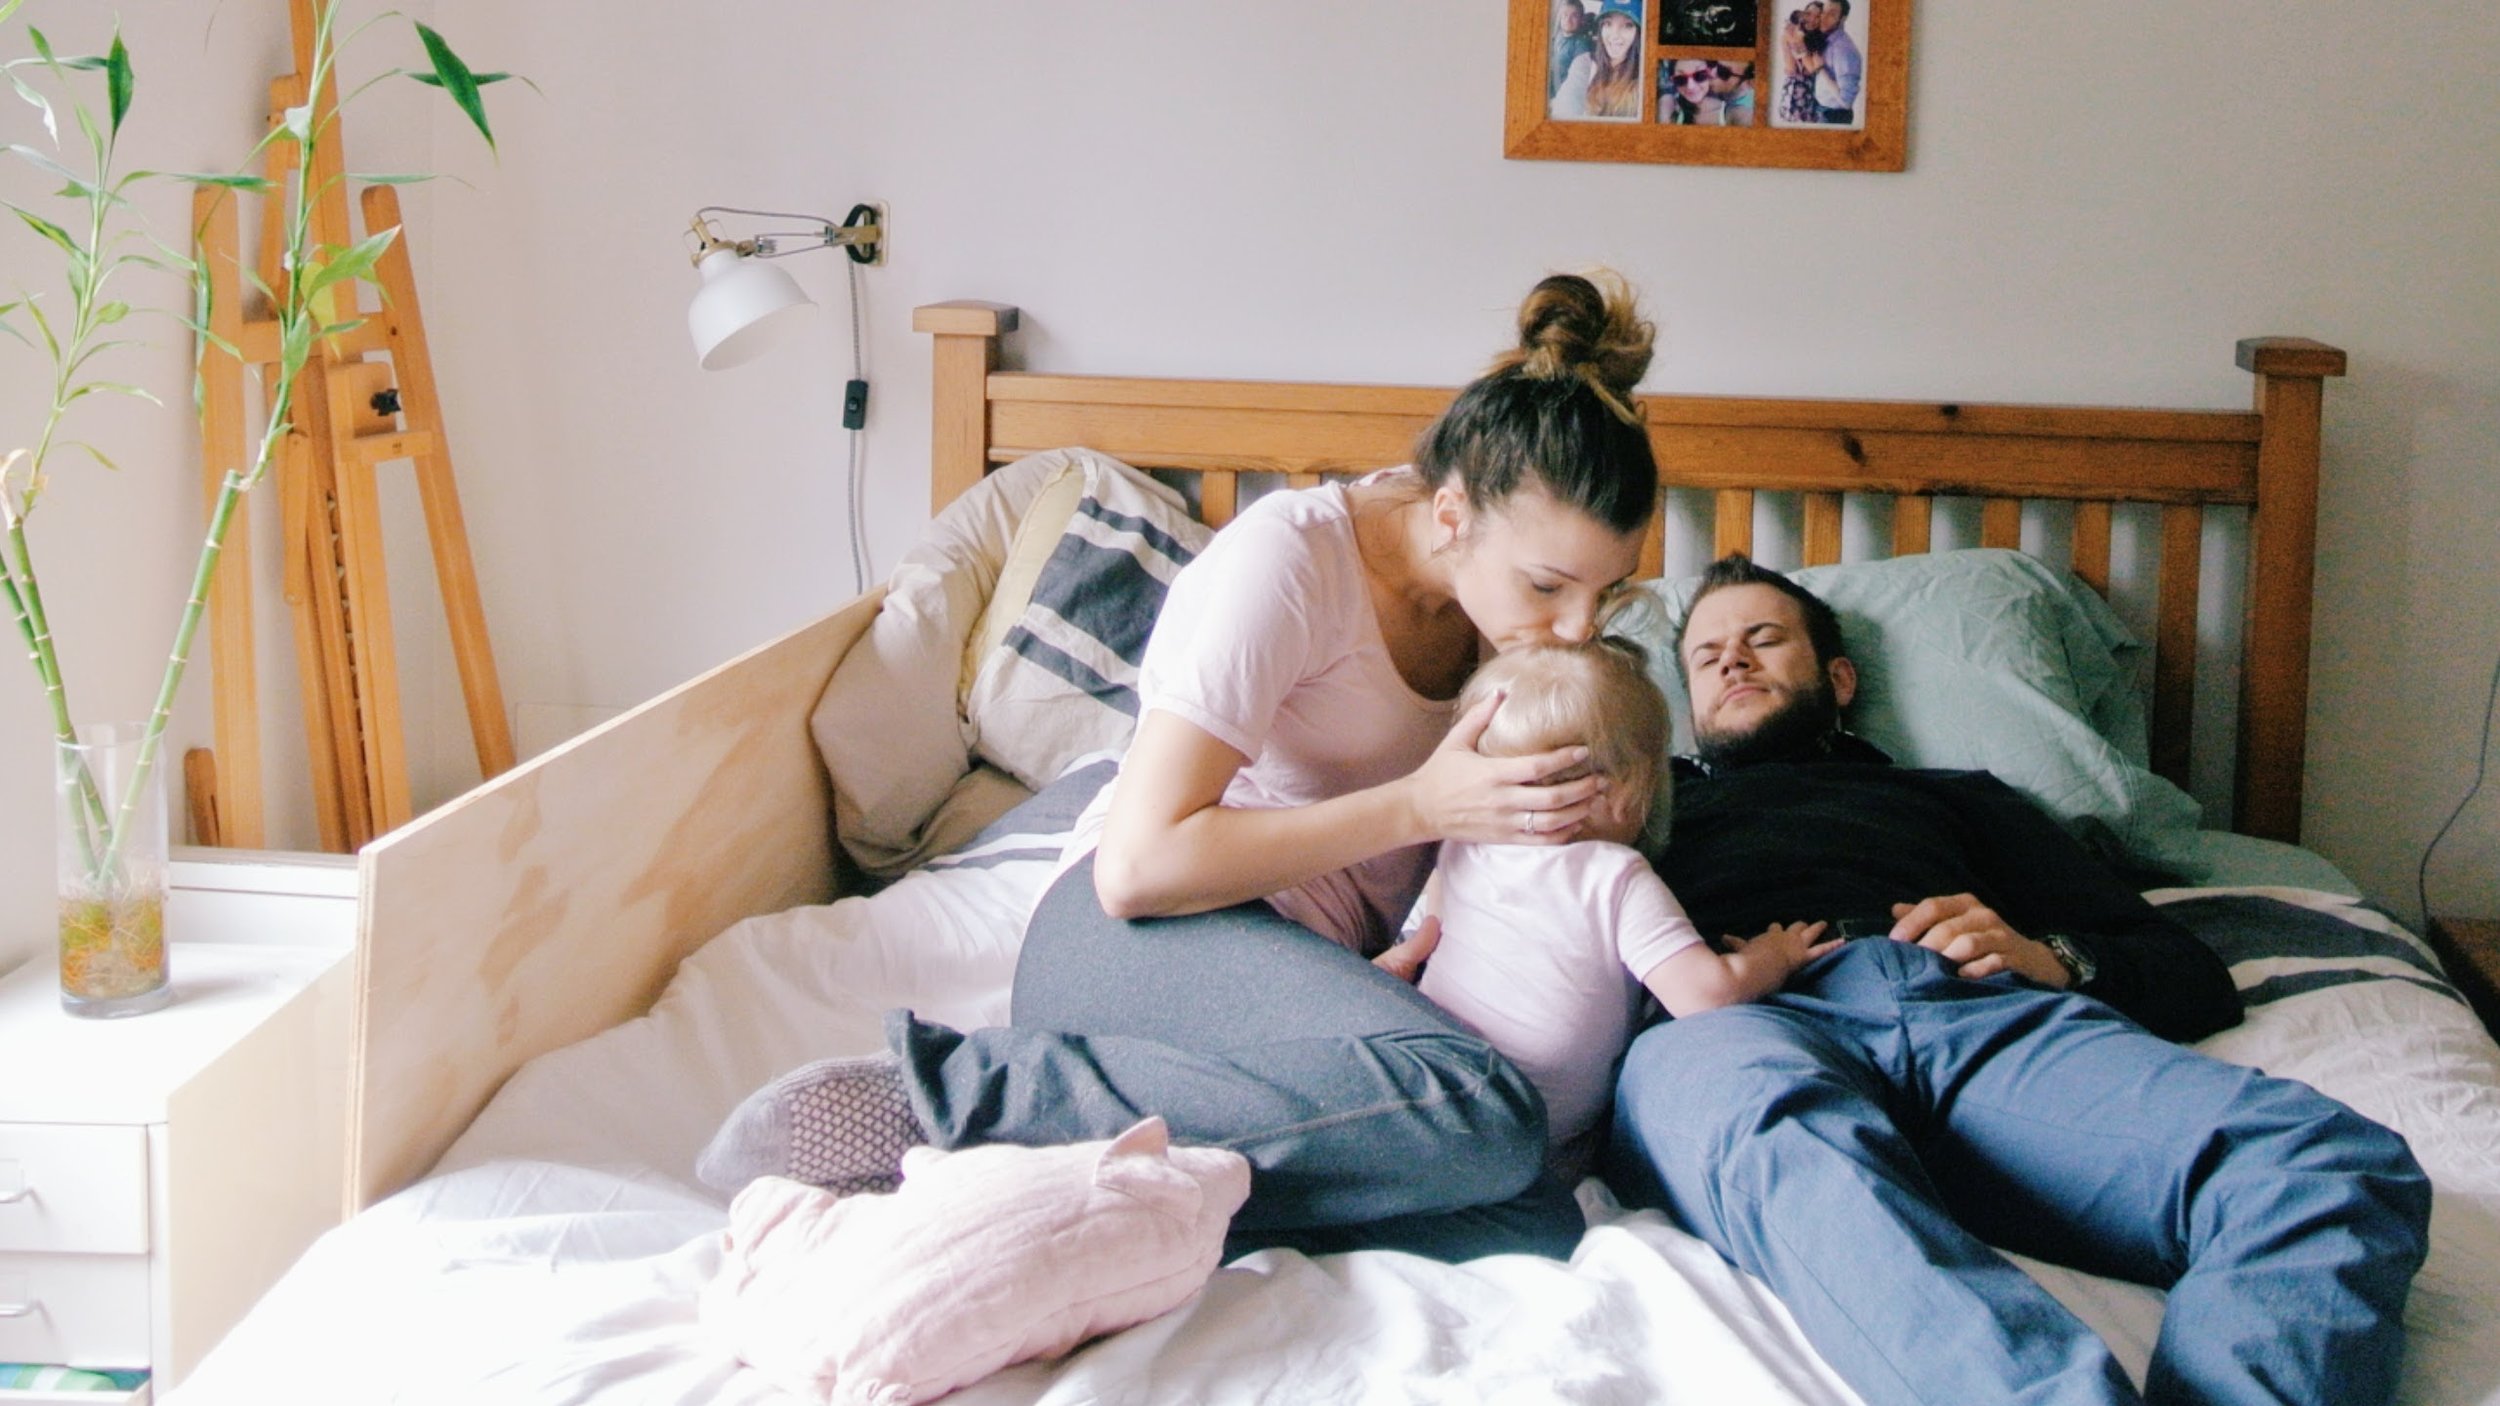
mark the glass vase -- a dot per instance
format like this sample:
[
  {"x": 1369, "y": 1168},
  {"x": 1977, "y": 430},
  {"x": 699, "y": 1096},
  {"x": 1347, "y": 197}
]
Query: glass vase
[{"x": 112, "y": 875}]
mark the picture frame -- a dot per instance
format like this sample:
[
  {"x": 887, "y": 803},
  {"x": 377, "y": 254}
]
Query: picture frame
[{"x": 1814, "y": 84}]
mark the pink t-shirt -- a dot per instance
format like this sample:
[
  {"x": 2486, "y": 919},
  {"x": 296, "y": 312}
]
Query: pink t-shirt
[
  {"x": 1543, "y": 950},
  {"x": 1269, "y": 644}
]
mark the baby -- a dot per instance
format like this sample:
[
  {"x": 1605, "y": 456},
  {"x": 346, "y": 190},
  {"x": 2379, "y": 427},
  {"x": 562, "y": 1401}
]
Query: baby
[{"x": 1545, "y": 949}]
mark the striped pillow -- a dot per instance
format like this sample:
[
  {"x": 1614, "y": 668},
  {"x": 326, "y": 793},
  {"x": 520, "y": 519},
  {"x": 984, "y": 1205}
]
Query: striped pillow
[{"x": 1062, "y": 680}]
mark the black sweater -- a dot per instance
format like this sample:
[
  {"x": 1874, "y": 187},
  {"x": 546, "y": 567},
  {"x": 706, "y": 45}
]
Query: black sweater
[{"x": 1848, "y": 835}]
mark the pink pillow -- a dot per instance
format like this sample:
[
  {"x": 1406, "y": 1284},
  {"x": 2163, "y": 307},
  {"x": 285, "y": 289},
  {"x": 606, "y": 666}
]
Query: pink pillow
[{"x": 985, "y": 1258}]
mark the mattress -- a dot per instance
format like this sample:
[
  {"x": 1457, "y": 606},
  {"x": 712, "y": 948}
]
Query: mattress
[{"x": 556, "y": 1253}]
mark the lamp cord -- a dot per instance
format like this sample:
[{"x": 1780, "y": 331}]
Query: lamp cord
[
  {"x": 2482, "y": 766},
  {"x": 854, "y": 482}
]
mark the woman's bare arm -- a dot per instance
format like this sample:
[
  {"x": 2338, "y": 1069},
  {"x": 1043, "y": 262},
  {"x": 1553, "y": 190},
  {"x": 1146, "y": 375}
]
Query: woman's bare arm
[{"x": 1171, "y": 846}]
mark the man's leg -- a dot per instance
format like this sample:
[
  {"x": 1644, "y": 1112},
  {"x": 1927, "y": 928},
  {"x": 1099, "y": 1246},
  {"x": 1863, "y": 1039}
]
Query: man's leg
[
  {"x": 2286, "y": 1227},
  {"x": 1767, "y": 1130},
  {"x": 1368, "y": 1116}
]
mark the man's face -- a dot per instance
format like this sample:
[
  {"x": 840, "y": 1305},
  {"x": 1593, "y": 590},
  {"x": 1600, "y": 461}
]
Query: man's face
[
  {"x": 1570, "y": 16},
  {"x": 1756, "y": 684},
  {"x": 1832, "y": 17},
  {"x": 1723, "y": 81}
]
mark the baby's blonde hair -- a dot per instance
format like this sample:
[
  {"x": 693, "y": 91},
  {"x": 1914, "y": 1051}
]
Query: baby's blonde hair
[{"x": 1597, "y": 695}]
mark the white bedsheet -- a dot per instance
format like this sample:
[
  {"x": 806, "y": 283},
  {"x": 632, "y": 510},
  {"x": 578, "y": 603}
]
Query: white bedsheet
[{"x": 556, "y": 1254}]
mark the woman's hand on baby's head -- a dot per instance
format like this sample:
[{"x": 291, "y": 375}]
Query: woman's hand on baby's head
[{"x": 1461, "y": 794}]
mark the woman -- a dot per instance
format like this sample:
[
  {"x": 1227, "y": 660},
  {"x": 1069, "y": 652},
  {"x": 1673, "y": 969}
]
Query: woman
[
  {"x": 1688, "y": 96},
  {"x": 1800, "y": 43},
  {"x": 1606, "y": 82},
  {"x": 1274, "y": 818}
]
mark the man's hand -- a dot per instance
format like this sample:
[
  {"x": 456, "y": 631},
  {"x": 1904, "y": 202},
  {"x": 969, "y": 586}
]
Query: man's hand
[
  {"x": 1969, "y": 934},
  {"x": 1406, "y": 960}
]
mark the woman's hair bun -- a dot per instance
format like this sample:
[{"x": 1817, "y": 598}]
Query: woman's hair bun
[{"x": 1585, "y": 326}]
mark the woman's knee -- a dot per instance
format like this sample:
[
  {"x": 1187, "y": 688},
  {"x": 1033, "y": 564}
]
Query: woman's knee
[{"x": 1493, "y": 1117}]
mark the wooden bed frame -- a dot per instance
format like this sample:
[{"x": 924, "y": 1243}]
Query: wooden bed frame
[{"x": 557, "y": 899}]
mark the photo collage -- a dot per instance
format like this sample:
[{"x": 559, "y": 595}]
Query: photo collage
[{"x": 1709, "y": 63}]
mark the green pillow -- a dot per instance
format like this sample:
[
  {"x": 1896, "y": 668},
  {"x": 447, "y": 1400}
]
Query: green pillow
[{"x": 1983, "y": 660}]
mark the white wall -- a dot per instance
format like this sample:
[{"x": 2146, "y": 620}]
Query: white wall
[{"x": 2101, "y": 200}]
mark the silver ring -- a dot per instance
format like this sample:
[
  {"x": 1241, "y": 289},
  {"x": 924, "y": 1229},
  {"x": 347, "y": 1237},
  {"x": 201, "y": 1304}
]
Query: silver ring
[{"x": 1527, "y": 822}]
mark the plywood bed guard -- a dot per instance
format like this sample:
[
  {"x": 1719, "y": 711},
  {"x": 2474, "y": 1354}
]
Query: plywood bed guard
[{"x": 556, "y": 900}]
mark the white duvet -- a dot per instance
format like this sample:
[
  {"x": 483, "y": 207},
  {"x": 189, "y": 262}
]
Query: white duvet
[{"x": 556, "y": 1253}]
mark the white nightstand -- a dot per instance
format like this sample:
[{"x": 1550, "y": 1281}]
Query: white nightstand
[{"x": 161, "y": 1171}]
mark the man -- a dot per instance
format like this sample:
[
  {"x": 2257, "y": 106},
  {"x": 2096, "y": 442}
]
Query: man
[
  {"x": 1571, "y": 40},
  {"x": 1839, "y": 70},
  {"x": 1860, "y": 1139},
  {"x": 1732, "y": 85}
]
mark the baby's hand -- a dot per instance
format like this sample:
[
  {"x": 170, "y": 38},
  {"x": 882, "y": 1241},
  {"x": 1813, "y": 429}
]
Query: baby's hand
[
  {"x": 1406, "y": 960},
  {"x": 1791, "y": 945}
]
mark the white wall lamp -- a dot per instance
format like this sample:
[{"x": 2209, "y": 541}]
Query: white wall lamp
[
  {"x": 739, "y": 311},
  {"x": 735, "y": 315}
]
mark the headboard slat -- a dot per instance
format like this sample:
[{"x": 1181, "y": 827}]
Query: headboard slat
[
  {"x": 1731, "y": 522},
  {"x": 2174, "y": 641},
  {"x": 2091, "y": 545},
  {"x": 1821, "y": 546},
  {"x": 1913, "y": 523},
  {"x": 2001, "y": 524}
]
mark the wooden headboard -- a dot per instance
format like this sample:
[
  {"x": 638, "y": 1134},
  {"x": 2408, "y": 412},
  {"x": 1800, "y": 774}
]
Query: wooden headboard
[
  {"x": 556, "y": 900},
  {"x": 1903, "y": 455}
]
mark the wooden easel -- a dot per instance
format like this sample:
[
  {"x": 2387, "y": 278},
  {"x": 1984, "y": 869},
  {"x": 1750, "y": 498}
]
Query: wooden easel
[{"x": 352, "y": 413}]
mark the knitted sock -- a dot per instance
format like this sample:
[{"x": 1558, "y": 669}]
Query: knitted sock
[{"x": 842, "y": 1124}]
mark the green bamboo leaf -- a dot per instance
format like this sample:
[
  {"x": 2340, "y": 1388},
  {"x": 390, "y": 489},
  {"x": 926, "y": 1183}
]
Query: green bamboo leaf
[
  {"x": 257, "y": 184},
  {"x": 48, "y": 230},
  {"x": 356, "y": 262},
  {"x": 8, "y": 9},
  {"x": 295, "y": 344},
  {"x": 43, "y": 325},
  {"x": 336, "y": 328},
  {"x": 95, "y": 138},
  {"x": 120, "y": 84},
  {"x": 199, "y": 328},
  {"x": 112, "y": 388},
  {"x": 383, "y": 178},
  {"x": 51, "y": 122},
  {"x": 43, "y": 51},
  {"x": 111, "y": 313},
  {"x": 457, "y": 81},
  {"x": 96, "y": 454},
  {"x": 45, "y": 164},
  {"x": 433, "y": 80}
]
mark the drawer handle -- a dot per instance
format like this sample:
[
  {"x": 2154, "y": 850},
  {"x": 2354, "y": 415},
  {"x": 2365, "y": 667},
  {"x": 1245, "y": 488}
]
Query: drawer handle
[
  {"x": 16, "y": 1310},
  {"x": 20, "y": 1194}
]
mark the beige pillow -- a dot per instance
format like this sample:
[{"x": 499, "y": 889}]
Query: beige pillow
[{"x": 889, "y": 724}]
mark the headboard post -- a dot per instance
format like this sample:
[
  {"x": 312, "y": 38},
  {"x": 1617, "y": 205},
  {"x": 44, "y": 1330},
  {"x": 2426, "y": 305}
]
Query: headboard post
[
  {"x": 2283, "y": 552},
  {"x": 966, "y": 336}
]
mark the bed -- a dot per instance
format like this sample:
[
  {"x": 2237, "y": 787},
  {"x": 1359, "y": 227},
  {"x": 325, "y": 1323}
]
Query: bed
[{"x": 568, "y": 975}]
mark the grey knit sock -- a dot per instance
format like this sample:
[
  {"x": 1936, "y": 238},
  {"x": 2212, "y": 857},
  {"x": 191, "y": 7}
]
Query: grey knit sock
[{"x": 842, "y": 1124}]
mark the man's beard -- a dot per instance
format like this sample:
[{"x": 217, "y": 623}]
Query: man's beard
[{"x": 1800, "y": 729}]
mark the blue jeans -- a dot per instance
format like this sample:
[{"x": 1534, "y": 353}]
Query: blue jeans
[
  {"x": 1370, "y": 1119},
  {"x": 1817, "y": 1138}
]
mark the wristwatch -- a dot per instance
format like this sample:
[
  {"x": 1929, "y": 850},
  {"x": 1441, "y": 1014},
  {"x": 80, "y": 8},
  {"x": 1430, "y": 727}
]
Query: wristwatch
[{"x": 2080, "y": 968}]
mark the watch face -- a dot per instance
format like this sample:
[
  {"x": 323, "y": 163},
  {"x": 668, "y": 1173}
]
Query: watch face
[{"x": 2078, "y": 964}]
